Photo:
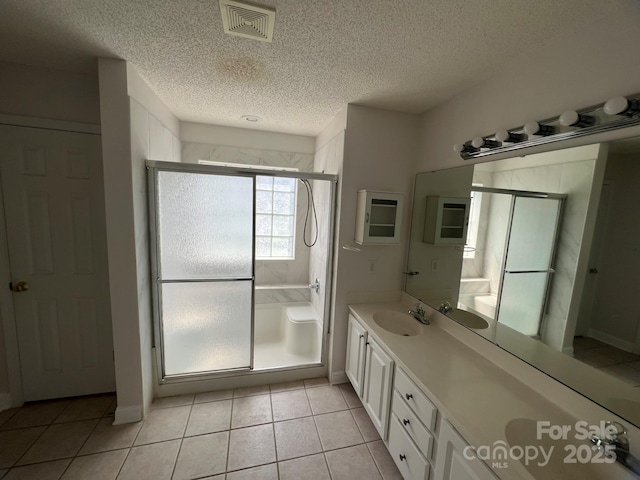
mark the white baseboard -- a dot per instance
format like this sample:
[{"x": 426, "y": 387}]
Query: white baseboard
[
  {"x": 339, "y": 377},
  {"x": 131, "y": 414},
  {"x": 611, "y": 340},
  {"x": 5, "y": 401}
]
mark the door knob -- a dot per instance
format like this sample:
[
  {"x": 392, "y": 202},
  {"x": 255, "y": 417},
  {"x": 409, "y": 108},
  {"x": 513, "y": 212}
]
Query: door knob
[{"x": 19, "y": 287}]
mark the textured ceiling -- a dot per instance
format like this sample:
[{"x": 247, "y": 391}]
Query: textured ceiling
[{"x": 397, "y": 55}]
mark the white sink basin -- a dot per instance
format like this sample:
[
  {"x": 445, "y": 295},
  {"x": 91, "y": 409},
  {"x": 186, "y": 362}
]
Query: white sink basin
[
  {"x": 397, "y": 323},
  {"x": 468, "y": 319}
]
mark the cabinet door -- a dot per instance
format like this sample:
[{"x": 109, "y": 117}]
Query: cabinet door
[
  {"x": 378, "y": 217},
  {"x": 356, "y": 343},
  {"x": 376, "y": 395},
  {"x": 451, "y": 463},
  {"x": 446, "y": 220}
]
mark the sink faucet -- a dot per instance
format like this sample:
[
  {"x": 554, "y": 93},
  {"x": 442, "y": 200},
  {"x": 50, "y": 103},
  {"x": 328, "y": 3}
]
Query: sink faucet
[
  {"x": 615, "y": 444},
  {"x": 418, "y": 314},
  {"x": 445, "y": 308}
]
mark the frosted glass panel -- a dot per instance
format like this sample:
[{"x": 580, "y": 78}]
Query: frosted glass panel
[
  {"x": 522, "y": 301},
  {"x": 533, "y": 231},
  {"x": 206, "y": 326},
  {"x": 205, "y": 225}
]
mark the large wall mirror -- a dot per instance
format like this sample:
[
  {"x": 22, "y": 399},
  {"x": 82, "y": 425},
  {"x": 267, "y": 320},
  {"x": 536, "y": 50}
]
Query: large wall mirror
[{"x": 541, "y": 255}]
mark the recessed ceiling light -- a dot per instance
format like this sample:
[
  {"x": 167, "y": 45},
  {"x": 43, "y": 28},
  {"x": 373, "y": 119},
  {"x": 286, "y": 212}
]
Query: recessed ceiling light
[{"x": 251, "y": 118}]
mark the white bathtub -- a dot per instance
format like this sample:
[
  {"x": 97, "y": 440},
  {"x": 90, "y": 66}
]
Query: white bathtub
[
  {"x": 481, "y": 303},
  {"x": 286, "y": 334}
]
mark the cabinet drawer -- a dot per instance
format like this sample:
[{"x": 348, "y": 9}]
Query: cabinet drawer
[
  {"x": 412, "y": 425},
  {"x": 417, "y": 400},
  {"x": 410, "y": 462}
]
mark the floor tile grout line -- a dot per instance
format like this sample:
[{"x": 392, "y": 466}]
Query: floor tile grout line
[
  {"x": 184, "y": 431},
  {"x": 15, "y": 465},
  {"x": 226, "y": 465},
  {"x": 373, "y": 458},
  {"x": 175, "y": 461},
  {"x": 31, "y": 444},
  {"x": 326, "y": 462}
]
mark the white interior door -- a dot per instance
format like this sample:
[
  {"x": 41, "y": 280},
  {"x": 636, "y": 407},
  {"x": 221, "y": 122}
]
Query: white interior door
[
  {"x": 55, "y": 222},
  {"x": 590, "y": 290}
]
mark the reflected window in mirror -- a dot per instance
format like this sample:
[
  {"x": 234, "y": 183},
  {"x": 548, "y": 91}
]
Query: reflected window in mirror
[{"x": 474, "y": 224}]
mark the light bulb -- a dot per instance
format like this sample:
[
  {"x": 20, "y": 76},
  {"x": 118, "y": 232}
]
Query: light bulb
[
  {"x": 464, "y": 148},
  {"x": 616, "y": 106},
  {"x": 511, "y": 137},
  {"x": 622, "y": 106},
  {"x": 480, "y": 142},
  {"x": 573, "y": 119},
  {"x": 477, "y": 142},
  {"x": 535, "y": 128}
]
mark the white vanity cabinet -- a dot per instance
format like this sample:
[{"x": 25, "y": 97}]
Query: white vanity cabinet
[
  {"x": 378, "y": 216},
  {"x": 411, "y": 437},
  {"x": 451, "y": 463},
  {"x": 370, "y": 370},
  {"x": 354, "y": 364},
  {"x": 376, "y": 391}
]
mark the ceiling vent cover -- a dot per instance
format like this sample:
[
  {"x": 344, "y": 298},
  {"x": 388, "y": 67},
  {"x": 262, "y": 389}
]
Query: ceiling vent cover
[{"x": 247, "y": 20}]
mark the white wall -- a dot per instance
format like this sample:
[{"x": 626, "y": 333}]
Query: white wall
[
  {"x": 135, "y": 126},
  {"x": 615, "y": 312},
  {"x": 245, "y": 138},
  {"x": 379, "y": 154},
  {"x": 328, "y": 159},
  {"x": 579, "y": 68},
  {"x": 47, "y": 93}
]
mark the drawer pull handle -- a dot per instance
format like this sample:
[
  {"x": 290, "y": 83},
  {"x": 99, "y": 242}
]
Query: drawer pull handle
[
  {"x": 368, "y": 343},
  {"x": 408, "y": 395},
  {"x": 405, "y": 421},
  {"x": 361, "y": 336},
  {"x": 403, "y": 457}
]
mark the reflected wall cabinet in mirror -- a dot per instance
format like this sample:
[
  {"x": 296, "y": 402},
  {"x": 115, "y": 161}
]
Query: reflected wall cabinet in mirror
[
  {"x": 378, "y": 217},
  {"x": 574, "y": 313},
  {"x": 446, "y": 220}
]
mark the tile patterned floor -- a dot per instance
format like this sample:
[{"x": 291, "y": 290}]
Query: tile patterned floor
[
  {"x": 611, "y": 360},
  {"x": 289, "y": 431}
]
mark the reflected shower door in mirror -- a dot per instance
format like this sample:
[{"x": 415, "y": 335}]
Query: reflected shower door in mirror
[
  {"x": 561, "y": 280},
  {"x": 507, "y": 269}
]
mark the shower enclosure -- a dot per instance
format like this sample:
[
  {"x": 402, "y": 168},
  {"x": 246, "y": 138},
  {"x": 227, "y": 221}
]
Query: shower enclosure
[
  {"x": 208, "y": 227},
  {"x": 517, "y": 256}
]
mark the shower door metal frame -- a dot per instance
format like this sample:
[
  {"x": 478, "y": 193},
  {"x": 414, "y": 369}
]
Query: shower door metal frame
[
  {"x": 528, "y": 194},
  {"x": 153, "y": 166}
]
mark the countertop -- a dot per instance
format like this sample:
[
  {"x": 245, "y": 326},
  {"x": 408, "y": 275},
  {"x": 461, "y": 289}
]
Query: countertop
[{"x": 482, "y": 401}]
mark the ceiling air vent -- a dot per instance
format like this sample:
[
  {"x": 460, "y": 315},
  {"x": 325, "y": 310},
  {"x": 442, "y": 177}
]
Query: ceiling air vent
[{"x": 247, "y": 20}]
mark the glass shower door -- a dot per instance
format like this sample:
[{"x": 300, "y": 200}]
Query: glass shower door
[
  {"x": 204, "y": 250},
  {"x": 528, "y": 265}
]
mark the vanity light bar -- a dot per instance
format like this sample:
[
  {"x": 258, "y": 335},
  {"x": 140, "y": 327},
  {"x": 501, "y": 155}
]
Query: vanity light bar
[{"x": 618, "y": 112}]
